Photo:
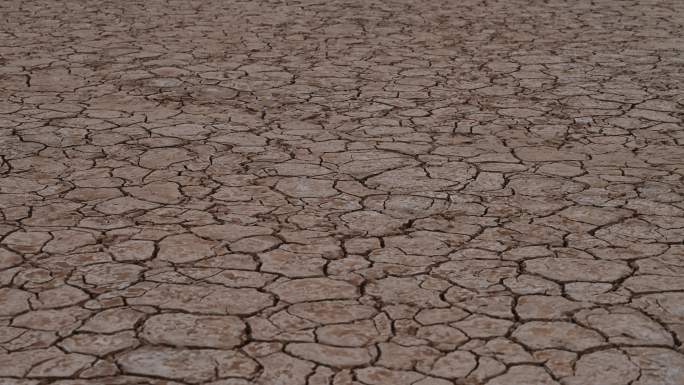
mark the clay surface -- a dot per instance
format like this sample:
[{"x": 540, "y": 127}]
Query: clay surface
[{"x": 352, "y": 192}]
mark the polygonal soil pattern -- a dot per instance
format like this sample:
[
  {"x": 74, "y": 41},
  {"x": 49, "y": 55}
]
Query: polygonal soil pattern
[{"x": 352, "y": 192}]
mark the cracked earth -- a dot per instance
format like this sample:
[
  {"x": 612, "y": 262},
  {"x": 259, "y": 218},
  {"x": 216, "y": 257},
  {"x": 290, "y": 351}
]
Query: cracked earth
[{"x": 354, "y": 192}]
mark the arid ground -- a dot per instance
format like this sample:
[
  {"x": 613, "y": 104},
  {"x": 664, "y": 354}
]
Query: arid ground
[{"x": 352, "y": 192}]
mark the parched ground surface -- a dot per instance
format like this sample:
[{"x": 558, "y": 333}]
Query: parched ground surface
[{"x": 354, "y": 192}]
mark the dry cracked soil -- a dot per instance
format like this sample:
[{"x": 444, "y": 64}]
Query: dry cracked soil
[{"x": 352, "y": 192}]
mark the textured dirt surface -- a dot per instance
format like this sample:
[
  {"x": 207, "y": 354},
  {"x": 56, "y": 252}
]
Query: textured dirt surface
[{"x": 354, "y": 192}]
